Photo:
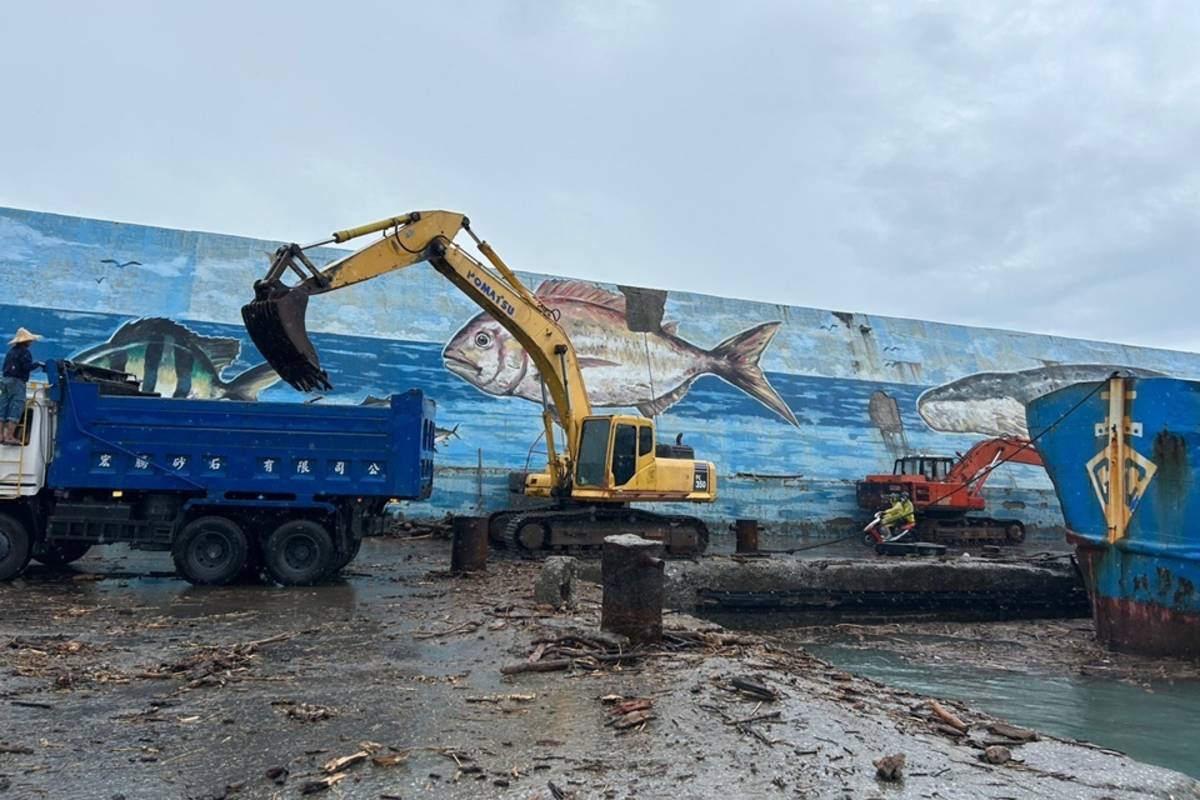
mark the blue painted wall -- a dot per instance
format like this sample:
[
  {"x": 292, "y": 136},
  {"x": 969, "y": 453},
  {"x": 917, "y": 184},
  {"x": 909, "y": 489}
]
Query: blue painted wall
[{"x": 71, "y": 280}]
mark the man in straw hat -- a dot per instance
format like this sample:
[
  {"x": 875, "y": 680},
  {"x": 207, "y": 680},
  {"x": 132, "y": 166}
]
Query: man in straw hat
[{"x": 17, "y": 366}]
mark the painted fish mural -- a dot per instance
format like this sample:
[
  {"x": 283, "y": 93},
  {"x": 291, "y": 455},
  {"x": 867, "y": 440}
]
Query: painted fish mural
[
  {"x": 993, "y": 403},
  {"x": 613, "y": 358},
  {"x": 443, "y": 436},
  {"x": 178, "y": 362}
]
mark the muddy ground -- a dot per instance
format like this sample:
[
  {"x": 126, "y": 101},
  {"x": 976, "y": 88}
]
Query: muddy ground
[{"x": 117, "y": 681}]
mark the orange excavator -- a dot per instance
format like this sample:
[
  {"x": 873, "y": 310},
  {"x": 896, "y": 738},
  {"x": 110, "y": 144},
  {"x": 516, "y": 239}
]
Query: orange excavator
[{"x": 945, "y": 490}]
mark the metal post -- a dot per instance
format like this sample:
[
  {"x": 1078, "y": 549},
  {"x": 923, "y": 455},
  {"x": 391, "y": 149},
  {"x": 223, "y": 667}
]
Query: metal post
[
  {"x": 479, "y": 481},
  {"x": 469, "y": 545},
  {"x": 747, "y": 535},
  {"x": 1115, "y": 510},
  {"x": 631, "y": 570}
]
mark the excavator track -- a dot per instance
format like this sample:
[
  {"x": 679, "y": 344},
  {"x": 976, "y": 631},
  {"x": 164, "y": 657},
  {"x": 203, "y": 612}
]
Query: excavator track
[
  {"x": 581, "y": 530},
  {"x": 970, "y": 530}
]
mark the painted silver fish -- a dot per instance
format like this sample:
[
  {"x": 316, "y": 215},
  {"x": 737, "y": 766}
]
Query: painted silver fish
[
  {"x": 993, "y": 403},
  {"x": 444, "y": 435},
  {"x": 613, "y": 358},
  {"x": 177, "y": 362}
]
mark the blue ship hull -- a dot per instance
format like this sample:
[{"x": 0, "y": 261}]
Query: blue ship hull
[{"x": 1137, "y": 531}]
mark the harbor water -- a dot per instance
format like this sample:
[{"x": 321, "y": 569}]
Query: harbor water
[{"x": 1155, "y": 719}]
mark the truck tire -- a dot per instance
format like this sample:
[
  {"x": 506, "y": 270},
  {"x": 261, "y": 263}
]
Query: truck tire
[
  {"x": 1015, "y": 532},
  {"x": 341, "y": 561},
  {"x": 15, "y": 547},
  {"x": 299, "y": 553},
  {"x": 63, "y": 553},
  {"x": 210, "y": 551}
]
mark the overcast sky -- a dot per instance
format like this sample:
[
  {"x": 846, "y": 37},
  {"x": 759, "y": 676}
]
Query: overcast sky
[{"x": 1027, "y": 165}]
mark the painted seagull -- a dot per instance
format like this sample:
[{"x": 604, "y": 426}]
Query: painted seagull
[{"x": 118, "y": 264}]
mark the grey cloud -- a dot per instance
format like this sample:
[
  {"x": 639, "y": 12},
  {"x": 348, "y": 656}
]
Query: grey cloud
[{"x": 1013, "y": 164}]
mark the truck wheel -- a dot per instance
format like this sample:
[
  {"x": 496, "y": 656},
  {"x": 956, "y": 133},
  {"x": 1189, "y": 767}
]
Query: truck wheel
[
  {"x": 341, "y": 561},
  {"x": 299, "y": 553},
  {"x": 63, "y": 553},
  {"x": 210, "y": 551},
  {"x": 14, "y": 547}
]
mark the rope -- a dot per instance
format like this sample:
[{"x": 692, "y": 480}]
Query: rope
[
  {"x": 988, "y": 471},
  {"x": 649, "y": 371}
]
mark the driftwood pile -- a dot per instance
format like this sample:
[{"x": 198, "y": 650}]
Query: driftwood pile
[
  {"x": 598, "y": 650},
  {"x": 421, "y": 528},
  {"x": 996, "y": 743}
]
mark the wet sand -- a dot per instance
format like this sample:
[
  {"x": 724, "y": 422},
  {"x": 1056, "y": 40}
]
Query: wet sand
[{"x": 117, "y": 681}]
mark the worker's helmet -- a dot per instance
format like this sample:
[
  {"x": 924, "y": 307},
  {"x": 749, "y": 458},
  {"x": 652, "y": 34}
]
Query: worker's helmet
[{"x": 903, "y": 495}]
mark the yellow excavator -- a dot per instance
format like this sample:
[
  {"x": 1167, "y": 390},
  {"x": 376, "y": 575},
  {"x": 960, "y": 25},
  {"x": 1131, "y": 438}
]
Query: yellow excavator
[{"x": 608, "y": 461}]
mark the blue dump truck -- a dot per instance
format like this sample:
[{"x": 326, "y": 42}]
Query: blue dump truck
[{"x": 229, "y": 488}]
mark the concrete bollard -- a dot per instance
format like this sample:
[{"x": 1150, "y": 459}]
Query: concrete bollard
[
  {"x": 469, "y": 545},
  {"x": 631, "y": 570},
  {"x": 555, "y": 585},
  {"x": 747, "y": 535}
]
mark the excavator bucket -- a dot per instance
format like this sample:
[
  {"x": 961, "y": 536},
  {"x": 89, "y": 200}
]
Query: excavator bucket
[{"x": 275, "y": 321}]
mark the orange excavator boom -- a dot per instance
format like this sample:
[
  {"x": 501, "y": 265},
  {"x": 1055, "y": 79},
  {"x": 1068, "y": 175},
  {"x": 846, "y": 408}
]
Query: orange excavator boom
[{"x": 976, "y": 465}]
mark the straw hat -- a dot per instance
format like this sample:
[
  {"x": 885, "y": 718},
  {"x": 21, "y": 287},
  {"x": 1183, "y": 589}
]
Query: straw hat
[{"x": 23, "y": 336}]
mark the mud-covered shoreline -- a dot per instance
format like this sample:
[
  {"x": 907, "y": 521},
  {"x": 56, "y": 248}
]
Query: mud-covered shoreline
[{"x": 117, "y": 681}]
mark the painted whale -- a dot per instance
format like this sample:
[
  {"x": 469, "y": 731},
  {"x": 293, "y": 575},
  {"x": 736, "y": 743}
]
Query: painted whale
[{"x": 993, "y": 403}]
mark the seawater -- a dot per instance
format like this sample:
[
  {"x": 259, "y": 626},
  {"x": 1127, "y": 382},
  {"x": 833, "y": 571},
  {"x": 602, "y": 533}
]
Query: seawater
[{"x": 1159, "y": 726}]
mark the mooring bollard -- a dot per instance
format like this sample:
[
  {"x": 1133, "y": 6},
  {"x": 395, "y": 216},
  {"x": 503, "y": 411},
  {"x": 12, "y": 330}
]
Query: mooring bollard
[
  {"x": 469, "y": 545},
  {"x": 747, "y": 535},
  {"x": 631, "y": 570}
]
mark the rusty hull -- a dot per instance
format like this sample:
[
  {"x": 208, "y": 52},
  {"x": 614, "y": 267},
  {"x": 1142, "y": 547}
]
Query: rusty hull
[{"x": 1141, "y": 604}]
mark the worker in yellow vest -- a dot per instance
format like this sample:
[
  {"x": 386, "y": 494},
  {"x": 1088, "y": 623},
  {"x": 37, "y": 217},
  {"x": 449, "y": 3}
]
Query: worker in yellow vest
[{"x": 900, "y": 513}]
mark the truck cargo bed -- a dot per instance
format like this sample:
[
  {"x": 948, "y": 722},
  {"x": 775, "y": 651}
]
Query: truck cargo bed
[{"x": 233, "y": 448}]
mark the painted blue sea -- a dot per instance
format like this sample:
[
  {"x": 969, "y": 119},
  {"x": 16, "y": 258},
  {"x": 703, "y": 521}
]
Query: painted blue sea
[{"x": 768, "y": 467}]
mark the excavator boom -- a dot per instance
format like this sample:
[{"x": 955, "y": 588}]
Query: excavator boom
[
  {"x": 974, "y": 467},
  {"x": 275, "y": 319}
]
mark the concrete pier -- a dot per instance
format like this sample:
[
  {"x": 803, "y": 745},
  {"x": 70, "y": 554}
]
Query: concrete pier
[{"x": 978, "y": 587}]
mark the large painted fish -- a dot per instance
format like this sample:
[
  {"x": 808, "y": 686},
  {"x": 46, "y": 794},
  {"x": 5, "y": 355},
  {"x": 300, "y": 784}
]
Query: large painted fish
[
  {"x": 613, "y": 358},
  {"x": 993, "y": 403},
  {"x": 177, "y": 362}
]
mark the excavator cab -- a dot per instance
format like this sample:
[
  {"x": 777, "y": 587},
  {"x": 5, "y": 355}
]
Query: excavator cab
[
  {"x": 619, "y": 460},
  {"x": 609, "y": 452}
]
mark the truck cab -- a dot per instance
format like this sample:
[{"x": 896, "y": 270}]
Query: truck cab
[{"x": 23, "y": 469}]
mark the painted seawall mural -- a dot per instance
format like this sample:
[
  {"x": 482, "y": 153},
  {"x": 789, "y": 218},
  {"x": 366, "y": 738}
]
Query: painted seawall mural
[{"x": 794, "y": 404}]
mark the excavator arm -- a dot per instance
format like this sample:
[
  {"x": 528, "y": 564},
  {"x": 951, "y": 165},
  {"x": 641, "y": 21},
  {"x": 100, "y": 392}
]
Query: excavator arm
[
  {"x": 275, "y": 319},
  {"x": 974, "y": 467}
]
